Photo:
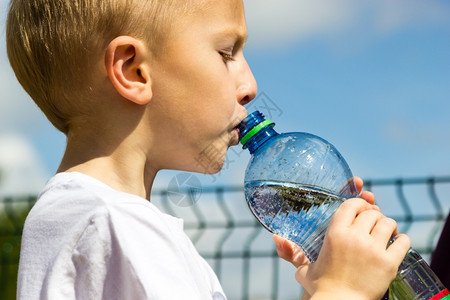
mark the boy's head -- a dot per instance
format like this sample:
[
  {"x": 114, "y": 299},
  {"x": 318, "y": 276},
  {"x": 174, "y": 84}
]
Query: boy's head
[
  {"x": 53, "y": 45},
  {"x": 166, "y": 78}
]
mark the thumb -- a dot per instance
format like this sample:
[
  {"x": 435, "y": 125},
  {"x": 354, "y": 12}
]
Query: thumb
[
  {"x": 301, "y": 277},
  {"x": 284, "y": 248},
  {"x": 290, "y": 252}
]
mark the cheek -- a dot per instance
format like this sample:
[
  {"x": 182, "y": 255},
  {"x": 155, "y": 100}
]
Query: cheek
[
  {"x": 213, "y": 88},
  {"x": 200, "y": 93},
  {"x": 213, "y": 106},
  {"x": 212, "y": 157}
]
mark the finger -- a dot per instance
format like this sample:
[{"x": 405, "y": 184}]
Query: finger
[
  {"x": 348, "y": 210},
  {"x": 284, "y": 248},
  {"x": 301, "y": 277},
  {"x": 375, "y": 207},
  {"x": 384, "y": 230},
  {"x": 290, "y": 252},
  {"x": 358, "y": 183},
  {"x": 399, "y": 247},
  {"x": 368, "y": 196},
  {"x": 367, "y": 220}
]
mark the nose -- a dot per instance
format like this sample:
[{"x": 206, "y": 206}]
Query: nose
[{"x": 246, "y": 85}]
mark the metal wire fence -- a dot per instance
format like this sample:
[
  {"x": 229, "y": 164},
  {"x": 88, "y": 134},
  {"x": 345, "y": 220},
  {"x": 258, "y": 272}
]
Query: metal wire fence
[{"x": 240, "y": 250}]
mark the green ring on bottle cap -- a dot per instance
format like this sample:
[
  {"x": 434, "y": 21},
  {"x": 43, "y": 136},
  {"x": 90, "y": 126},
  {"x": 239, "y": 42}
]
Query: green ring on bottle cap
[{"x": 255, "y": 130}]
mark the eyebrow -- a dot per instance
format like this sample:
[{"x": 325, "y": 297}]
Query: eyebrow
[{"x": 238, "y": 35}]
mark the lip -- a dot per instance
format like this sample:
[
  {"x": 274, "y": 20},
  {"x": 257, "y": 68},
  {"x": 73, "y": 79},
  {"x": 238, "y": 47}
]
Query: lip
[
  {"x": 236, "y": 133},
  {"x": 235, "y": 127},
  {"x": 235, "y": 137}
]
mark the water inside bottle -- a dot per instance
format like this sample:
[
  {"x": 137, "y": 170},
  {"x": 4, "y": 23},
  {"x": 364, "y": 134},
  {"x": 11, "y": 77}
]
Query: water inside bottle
[
  {"x": 414, "y": 280},
  {"x": 292, "y": 210}
]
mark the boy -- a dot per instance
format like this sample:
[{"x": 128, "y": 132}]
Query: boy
[{"x": 139, "y": 86}]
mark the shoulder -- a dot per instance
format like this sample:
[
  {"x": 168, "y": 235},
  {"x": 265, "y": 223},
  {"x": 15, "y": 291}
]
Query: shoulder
[
  {"x": 109, "y": 238},
  {"x": 70, "y": 234},
  {"x": 79, "y": 205},
  {"x": 74, "y": 192},
  {"x": 74, "y": 208}
]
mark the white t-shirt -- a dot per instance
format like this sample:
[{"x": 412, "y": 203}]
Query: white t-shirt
[{"x": 84, "y": 240}]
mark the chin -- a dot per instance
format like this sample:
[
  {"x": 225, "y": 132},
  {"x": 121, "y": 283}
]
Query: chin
[
  {"x": 208, "y": 168},
  {"x": 209, "y": 161},
  {"x": 199, "y": 167},
  {"x": 213, "y": 170}
]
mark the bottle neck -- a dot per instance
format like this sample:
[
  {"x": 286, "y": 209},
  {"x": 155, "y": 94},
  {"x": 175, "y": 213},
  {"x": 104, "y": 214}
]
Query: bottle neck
[
  {"x": 255, "y": 130},
  {"x": 255, "y": 142}
]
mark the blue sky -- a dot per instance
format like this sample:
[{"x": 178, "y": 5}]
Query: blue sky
[
  {"x": 377, "y": 85},
  {"x": 372, "y": 77}
]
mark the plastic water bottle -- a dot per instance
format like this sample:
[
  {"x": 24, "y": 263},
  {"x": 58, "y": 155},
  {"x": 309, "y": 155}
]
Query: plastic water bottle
[{"x": 294, "y": 183}]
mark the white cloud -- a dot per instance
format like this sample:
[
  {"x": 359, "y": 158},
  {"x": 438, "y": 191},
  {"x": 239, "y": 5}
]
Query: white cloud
[
  {"x": 21, "y": 172},
  {"x": 273, "y": 23}
]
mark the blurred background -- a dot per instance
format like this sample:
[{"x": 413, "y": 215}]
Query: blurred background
[{"x": 372, "y": 77}]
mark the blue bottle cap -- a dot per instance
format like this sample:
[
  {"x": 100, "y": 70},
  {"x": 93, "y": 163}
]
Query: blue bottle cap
[{"x": 251, "y": 125}]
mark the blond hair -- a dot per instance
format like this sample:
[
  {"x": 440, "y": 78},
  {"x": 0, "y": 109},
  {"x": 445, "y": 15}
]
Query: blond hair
[{"x": 52, "y": 45}]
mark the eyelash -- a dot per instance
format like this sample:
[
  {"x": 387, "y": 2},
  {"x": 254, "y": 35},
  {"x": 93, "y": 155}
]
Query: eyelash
[{"x": 226, "y": 56}]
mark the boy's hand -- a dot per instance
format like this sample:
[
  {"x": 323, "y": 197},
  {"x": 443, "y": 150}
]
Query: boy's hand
[
  {"x": 290, "y": 252},
  {"x": 309, "y": 276},
  {"x": 354, "y": 262}
]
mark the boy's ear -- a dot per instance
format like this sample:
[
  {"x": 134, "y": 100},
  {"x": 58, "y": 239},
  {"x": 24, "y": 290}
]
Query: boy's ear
[{"x": 127, "y": 65}]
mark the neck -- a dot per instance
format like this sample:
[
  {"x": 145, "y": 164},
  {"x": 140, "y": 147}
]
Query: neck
[{"x": 123, "y": 167}]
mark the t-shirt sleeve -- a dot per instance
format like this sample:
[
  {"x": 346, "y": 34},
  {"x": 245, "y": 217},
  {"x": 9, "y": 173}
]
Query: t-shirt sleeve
[
  {"x": 163, "y": 258},
  {"x": 101, "y": 270},
  {"x": 131, "y": 251}
]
